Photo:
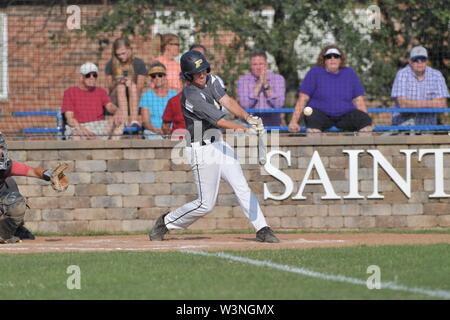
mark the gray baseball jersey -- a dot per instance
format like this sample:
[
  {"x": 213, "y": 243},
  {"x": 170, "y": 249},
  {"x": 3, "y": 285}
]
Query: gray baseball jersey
[{"x": 200, "y": 106}]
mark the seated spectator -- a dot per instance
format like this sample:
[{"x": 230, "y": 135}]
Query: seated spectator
[
  {"x": 418, "y": 86},
  {"x": 84, "y": 108},
  {"x": 335, "y": 93},
  {"x": 154, "y": 101},
  {"x": 126, "y": 79},
  {"x": 262, "y": 89},
  {"x": 170, "y": 49},
  {"x": 173, "y": 118}
]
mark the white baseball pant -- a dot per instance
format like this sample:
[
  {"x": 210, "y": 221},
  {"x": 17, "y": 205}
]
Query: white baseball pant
[{"x": 209, "y": 163}]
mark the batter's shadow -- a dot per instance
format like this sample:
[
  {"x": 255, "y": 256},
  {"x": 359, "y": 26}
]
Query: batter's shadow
[
  {"x": 188, "y": 238},
  {"x": 248, "y": 239}
]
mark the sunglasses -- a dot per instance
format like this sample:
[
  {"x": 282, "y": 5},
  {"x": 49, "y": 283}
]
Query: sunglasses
[
  {"x": 93, "y": 74},
  {"x": 174, "y": 44},
  {"x": 419, "y": 59},
  {"x": 159, "y": 75},
  {"x": 332, "y": 55}
]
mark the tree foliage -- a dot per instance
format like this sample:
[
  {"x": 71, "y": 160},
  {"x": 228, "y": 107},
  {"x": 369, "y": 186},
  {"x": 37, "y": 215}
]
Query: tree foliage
[{"x": 376, "y": 55}]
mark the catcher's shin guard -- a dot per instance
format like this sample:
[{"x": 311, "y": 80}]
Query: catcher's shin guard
[
  {"x": 14, "y": 207},
  {"x": 23, "y": 233},
  {"x": 7, "y": 228}
]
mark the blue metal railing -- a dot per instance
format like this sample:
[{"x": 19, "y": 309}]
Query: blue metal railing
[
  {"x": 378, "y": 128},
  {"x": 59, "y": 119},
  {"x": 370, "y": 110}
]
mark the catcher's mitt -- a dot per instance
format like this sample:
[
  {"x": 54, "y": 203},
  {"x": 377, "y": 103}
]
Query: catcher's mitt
[{"x": 57, "y": 178}]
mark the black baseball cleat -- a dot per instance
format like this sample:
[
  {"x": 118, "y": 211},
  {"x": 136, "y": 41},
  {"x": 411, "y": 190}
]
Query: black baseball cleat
[
  {"x": 266, "y": 235},
  {"x": 24, "y": 233},
  {"x": 13, "y": 239},
  {"x": 159, "y": 229}
]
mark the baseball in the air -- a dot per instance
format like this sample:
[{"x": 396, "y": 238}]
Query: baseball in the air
[{"x": 307, "y": 111}]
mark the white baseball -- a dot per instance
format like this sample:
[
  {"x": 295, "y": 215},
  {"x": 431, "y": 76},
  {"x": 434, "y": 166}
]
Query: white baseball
[{"x": 307, "y": 111}]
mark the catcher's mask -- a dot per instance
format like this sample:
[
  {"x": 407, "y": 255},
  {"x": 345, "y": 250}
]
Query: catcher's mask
[
  {"x": 193, "y": 62},
  {"x": 4, "y": 159}
]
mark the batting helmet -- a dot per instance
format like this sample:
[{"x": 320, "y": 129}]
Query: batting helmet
[
  {"x": 193, "y": 62},
  {"x": 5, "y": 162}
]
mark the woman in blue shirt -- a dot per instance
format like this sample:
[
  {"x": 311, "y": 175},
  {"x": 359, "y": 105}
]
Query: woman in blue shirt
[{"x": 154, "y": 101}]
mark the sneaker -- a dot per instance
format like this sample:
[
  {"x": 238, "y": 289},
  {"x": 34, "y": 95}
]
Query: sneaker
[
  {"x": 13, "y": 239},
  {"x": 266, "y": 235},
  {"x": 159, "y": 229}
]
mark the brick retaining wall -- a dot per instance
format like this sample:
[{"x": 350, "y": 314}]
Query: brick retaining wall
[{"x": 125, "y": 185}]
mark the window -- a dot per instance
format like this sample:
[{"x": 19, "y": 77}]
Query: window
[{"x": 3, "y": 57}]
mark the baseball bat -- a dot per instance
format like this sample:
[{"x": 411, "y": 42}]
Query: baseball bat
[{"x": 262, "y": 151}]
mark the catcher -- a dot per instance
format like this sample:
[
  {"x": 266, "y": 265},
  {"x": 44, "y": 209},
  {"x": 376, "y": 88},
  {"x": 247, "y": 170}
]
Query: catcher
[{"x": 12, "y": 203}]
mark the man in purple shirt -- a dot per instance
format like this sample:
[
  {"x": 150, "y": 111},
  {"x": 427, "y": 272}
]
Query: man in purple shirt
[
  {"x": 335, "y": 94},
  {"x": 262, "y": 89}
]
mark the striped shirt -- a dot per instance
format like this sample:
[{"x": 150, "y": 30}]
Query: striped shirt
[{"x": 408, "y": 86}]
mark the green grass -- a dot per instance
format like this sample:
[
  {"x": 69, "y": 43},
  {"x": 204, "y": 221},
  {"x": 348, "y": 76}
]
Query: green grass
[{"x": 176, "y": 275}]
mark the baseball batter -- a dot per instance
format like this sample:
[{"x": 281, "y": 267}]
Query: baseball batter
[
  {"x": 12, "y": 203},
  {"x": 210, "y": 157}
]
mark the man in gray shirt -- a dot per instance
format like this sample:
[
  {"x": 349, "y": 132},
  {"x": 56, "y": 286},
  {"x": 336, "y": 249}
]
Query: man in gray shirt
[{"x": 211, "y": 158}]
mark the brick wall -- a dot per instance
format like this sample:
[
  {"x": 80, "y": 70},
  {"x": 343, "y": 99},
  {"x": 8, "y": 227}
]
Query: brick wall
[
  {"x": 126, "y": 185},
  {"x": 44, "y": 58},
  {"x": 40, "y": 69}
]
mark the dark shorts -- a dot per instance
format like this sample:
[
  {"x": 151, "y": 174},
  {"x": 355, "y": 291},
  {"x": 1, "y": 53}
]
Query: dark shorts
[{"x": 351, "y": 121}]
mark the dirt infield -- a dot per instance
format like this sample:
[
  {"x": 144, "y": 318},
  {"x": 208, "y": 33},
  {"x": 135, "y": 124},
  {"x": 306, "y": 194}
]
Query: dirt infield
[{"x": 215, "y": 242}]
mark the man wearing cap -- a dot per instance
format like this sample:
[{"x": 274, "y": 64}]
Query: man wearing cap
[
  {"x": 154, "y": 101},
  {"x": 83, "y": 107},
  {"x": 418, "y": 86}
]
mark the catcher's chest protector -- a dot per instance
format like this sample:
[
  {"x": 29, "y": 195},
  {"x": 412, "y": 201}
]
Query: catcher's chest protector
[{"x": 4, "y": 174}]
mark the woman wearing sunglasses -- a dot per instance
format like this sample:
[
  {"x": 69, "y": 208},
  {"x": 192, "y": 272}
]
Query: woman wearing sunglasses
[
  {"x": 170, "y": 50},
  {"x": 154, "y": 101},
  {"x": 335, "y": 94}
]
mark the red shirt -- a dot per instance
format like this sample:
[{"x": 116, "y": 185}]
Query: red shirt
[
  {"x": 173, "y": 113},
  {"x": 87, "y": 106}
]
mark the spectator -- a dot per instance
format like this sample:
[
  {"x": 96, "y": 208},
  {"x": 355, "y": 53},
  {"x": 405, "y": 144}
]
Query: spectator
[
  {"x": 173, "y": 118},
  {"x": 418, "y": 86},
  {"x": 126, "y": 79},
  {"x": 154, "y": 101},
  {"x": 262, "y": 89},
  {"x": 170, "y": 49},
  {"x": 335, "y": 93},
  {"x": 84, "y": 109},
  {"x": 200, "y": 48}
]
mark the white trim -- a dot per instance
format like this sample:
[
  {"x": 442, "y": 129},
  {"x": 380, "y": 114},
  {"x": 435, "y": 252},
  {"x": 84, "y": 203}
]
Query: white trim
[
  {"x": 189, "y": 106},
  {"x": 435, "y": 293},
  {"x": 4, "y": 55}
]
